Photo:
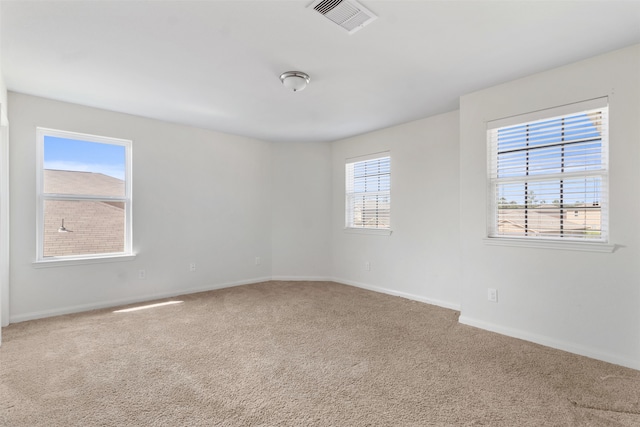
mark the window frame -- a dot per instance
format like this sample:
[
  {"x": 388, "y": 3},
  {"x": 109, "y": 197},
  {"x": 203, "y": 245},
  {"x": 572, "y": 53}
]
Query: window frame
[
  {"x": 493, "y": 181},
  {"x": 349, "y": 210},
  {"x": 42, "y": 197}
]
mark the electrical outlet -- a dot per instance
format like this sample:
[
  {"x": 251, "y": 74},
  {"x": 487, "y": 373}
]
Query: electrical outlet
[
  {"x": 192, "y": 266},
  {"x": 492, "y": 295},
  {"x": 367, "y": 266},
  {"x": 258, "y": 260},
  {"x": 142, "y": 274}
]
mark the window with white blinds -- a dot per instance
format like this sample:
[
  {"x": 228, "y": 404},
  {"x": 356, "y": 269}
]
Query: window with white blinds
[
  {"x": 549, "y": 176},
  {"x": 368, "y": 192}
]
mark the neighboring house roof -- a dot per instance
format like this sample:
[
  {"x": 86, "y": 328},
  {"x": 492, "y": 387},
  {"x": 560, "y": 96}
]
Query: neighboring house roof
[
  {"x": 71, "y": 182},
  {"x": 93, "y": 227}
]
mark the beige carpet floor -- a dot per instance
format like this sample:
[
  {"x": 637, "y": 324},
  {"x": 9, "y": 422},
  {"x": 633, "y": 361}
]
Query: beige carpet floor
[{"x": 297, "y": 354}]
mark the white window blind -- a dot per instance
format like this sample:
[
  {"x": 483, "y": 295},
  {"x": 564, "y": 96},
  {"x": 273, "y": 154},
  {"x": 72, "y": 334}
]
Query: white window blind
[
  {"x": 549, "y": 176},
  {"x": 368, "y": 193}
]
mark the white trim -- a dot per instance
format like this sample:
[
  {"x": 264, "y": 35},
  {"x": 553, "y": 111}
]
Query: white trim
[
  {"x": 514, "y": 333},
  {"x": 84, "y": 136},
  {"x": 372, "y": 156},
  {"x": 41, "y": 197},
  {"x": 530, "y": 242},
  {"x": 302, "y": 278},
  {"x": 378, "y": 231},
  {"x": 432, "y": 301},
  {"x": 350, "y": 193},
  {"x": 549, "y": 113},
  {"x": 98, "y": 259},
  {"x": 124, "y": 301},
  {"x": 82, "y": 197},
  {"x": 160, "y": 295},
  {"x": 495, "y": 182},
  {"x": 550, "y": 342},
  {"x": 4, "y": 224},
  {"x": 551, "y": 177}
]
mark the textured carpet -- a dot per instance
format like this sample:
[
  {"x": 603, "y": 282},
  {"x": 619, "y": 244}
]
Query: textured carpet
[{"x": 297, "y": 354}]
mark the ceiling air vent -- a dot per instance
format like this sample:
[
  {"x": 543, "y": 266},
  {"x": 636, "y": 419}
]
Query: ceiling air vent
[{"x": 348, "y": 14}]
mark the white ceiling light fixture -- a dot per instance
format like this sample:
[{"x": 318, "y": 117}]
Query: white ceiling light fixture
[{"x": 295, "y": 80}]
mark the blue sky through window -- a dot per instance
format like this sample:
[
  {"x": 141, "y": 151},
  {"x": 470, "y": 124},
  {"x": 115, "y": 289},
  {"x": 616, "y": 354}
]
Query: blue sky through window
[
  {"x": 84, "y": 156},
  {"x": 554, "y": 146},
  {"x": 372, "y": 175}
]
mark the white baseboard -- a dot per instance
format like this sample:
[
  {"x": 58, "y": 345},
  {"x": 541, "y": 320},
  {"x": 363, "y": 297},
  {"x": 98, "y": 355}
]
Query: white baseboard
[
  {"x": 302, "y": 278},
  {"x": 150, "y": 297},
  {"x": 515, "y": 333},
  {"x": 550, "y": 342},
  {"x": 432, "y": 301},
  {"x": 132, "y": 300}
]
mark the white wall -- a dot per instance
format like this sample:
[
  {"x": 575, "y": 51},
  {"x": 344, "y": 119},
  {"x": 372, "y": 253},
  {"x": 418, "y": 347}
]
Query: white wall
[
  {"x": 3, "y": 100},
  {"x": 3, "y": 91},
  {"x": 199, "y": 196},
  {"x": 4, "y": 220},
  {"x": 583, "y": 302},
  {"x": 222, "y": 200},
  {"x": 420, "y": 259},
  {"x": 301, "y": 242}
]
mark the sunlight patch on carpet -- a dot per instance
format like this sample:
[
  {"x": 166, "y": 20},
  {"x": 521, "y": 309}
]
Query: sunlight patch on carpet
[{"x": 144, "y": 307}]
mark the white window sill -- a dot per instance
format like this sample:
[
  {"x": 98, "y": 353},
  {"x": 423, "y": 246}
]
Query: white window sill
[
  {"x": 375, "y": 231},
  {"x": 551, "y": 244},
  {"x": 63, "y": 262}
]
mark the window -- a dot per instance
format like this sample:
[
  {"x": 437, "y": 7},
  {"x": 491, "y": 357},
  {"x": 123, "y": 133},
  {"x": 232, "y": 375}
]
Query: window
[
  {"x": 548, "y": 174},
  {"x": 84, "y": 196},
  {"x": 368, "y": 192}
]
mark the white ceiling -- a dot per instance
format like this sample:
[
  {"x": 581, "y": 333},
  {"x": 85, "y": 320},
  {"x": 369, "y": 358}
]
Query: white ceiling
[{"x": 216, "y": 64}]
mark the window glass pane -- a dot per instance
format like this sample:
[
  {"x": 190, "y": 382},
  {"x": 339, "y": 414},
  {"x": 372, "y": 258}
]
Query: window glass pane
[
  {"x": 544, "y": 160},
  {"x": 528, "y": 222},
  {"x": 583, "y": 191},
  {"x": 368, "y": 201},
  {"x": 567, "y": 208},
  {"x": 81, "y": 167},
  {"x": 536, "y": 170},
  {"x": 584, "y": 156},
  {"x": 544, "y": 132},
  {"x": 552, "y": 146},
  {"x": 371, "y": 211},
  {"x": 581, "y": 221},
  {"x": 90, "y": 227}
]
